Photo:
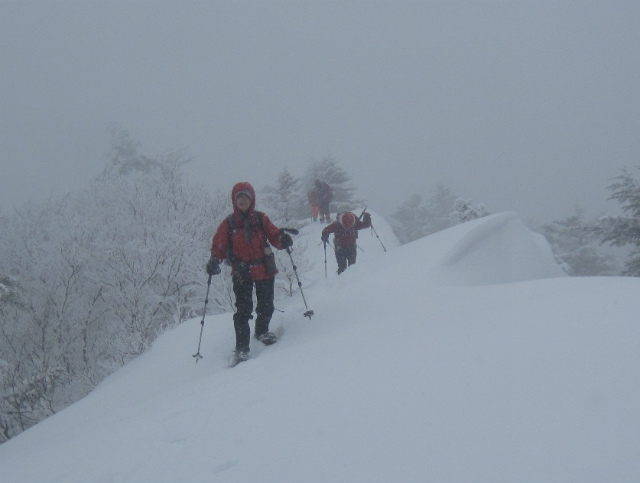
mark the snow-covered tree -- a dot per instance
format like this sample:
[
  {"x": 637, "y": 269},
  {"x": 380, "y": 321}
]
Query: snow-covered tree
[
  {"x": 411, "y": 220},
  {"x": 439, "y": 206},
  {"x": 127, "y": 160},
  {"x": 89, "y": 280},
  {"x": 150, "y": 274},
  {"x": 576, "y": 247},
  {"x": 9, "y": 293},
  {"x": 465, "y": 210},
  {"x": 42, "y": 335},
  {"x": 416, "y": 218},
  {"x": 286, "y": 200},
  {"x": 624, "y": 229}
]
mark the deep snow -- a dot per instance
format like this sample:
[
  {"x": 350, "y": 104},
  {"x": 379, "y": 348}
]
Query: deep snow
[{"x": 465, "y": 356}]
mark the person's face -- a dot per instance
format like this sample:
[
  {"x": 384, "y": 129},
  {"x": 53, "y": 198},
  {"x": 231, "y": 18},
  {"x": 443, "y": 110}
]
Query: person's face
[{"x": 243, "y": 202}]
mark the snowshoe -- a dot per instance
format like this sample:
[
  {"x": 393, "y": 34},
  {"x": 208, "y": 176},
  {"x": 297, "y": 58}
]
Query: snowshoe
[{"x": 268, "y": 338}]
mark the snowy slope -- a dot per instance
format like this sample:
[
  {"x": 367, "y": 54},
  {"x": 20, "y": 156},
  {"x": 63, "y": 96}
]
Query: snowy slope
[{"x": 463, "y": 356}]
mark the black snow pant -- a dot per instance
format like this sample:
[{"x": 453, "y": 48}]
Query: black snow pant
[
  {"x": 324, "y": 211},
  {"x": 345, "y": 256},
  {"x": 243, "y": 289}
]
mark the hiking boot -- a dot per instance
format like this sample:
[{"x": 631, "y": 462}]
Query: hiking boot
[
  {"x": 239, "y": 355},
  {"x": 267, "y": 338}
]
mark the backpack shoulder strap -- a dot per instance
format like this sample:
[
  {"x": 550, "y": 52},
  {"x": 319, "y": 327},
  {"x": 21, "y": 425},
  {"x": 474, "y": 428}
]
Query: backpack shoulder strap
[
  {"x": 232, "y": 227},
  {"x": 259, "y": 215}
]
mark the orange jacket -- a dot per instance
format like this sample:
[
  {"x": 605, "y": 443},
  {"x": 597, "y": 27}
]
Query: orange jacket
[{"x": 313, "y": 198}]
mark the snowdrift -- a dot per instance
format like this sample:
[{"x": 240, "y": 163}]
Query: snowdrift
[
  {"x": 495, "y": 249},
  {"x": 463, "y": 356}
]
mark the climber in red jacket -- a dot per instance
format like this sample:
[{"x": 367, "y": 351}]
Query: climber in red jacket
[
  {"x": 345, "y": 230},
  {"x": 243, "y": 239}
]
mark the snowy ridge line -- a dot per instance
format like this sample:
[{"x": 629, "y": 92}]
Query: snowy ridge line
[{"x": 534, "y": 382}]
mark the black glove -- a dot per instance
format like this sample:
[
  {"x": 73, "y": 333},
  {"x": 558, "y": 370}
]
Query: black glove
[
  {"x": 366, "y": 218},
  {"x": 286, "y": 240},
  {"x": 213, "y": 266},
  {"x": 325, "y": 237}
]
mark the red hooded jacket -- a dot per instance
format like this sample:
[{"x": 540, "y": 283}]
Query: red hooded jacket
[
  {"x": 343, "y": 236},
  {"x": 247, "y": 245}
]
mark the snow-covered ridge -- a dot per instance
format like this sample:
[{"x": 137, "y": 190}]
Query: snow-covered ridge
[{"x": 422, "y": 363}]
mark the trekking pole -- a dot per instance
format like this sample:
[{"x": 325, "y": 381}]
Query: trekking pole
[
  {"x": 372, "y": 228},
  {"x": 197, "y": 355},
  {"x": 327, "y": 243},
  {"x": 325, "y": 259},
  {"x": 376, "y": 233},
  {"x": 308, "y": 313}
]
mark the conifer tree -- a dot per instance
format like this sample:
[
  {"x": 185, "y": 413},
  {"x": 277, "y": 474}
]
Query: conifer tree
[
  {"x": 417, "y": 218},
  {"x": 286, "y": 198},
  {"x": 575, "y": 247},
  {"x": 439, "y": 206},
  {"x": 411, "y": 220},
  {"x": 624, "y": 229}
]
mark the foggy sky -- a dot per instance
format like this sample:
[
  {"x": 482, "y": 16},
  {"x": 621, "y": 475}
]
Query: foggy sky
[{"x": 520, "y": 105}]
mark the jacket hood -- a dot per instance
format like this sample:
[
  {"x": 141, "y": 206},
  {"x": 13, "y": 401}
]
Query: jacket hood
[{"x": 243, "y": 186}]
